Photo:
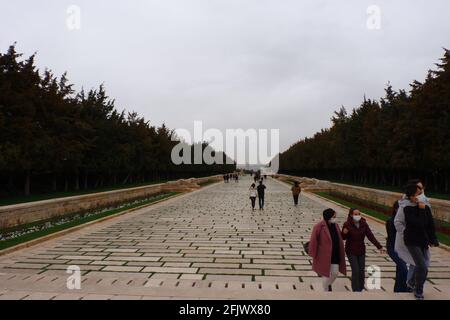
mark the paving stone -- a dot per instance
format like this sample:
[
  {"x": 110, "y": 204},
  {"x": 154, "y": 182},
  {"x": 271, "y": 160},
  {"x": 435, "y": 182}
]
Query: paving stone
[
  {"x": 230, "y": 271},
  {"x": 135, "y": 259},
  {"x": 122, "y": 269},
  {"x": 192, "y": 276},
  {"x": 170, "y": 270}
]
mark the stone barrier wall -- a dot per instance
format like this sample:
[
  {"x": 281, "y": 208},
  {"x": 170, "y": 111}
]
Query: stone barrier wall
[
  {"x": 441, "y": 208},
  {"x": 14, "y": 215}
]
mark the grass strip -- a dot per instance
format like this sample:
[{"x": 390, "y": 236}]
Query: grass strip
[
  {"x": 207, "y": 183},
  {"x": 431, "y": 194}
]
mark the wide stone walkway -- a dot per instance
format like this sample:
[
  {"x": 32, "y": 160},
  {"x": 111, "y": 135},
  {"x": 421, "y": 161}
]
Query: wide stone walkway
[{"x": 204, "y": 245}]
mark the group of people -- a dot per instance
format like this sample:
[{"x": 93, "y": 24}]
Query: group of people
[
  {"x": 231, "y": 176},
  {"x": 257, "y": 192},
  {"x": 411, "y": 232}
]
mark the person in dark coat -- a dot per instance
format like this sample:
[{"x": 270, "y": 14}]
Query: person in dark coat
[
  {"x": 296, "y": 190},
  {"x": 261, "y": 191},
  {"x": 414, "y": 222},
  {"x": 401, "y": 268},
  {"x": 354, "y": 231}
]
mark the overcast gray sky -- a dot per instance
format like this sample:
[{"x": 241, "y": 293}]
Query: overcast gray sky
[{"x": 272, "y": 64}]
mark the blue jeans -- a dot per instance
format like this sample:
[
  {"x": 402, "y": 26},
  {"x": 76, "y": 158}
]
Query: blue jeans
[
  {"x": 401, "y": 271},
  {"x": 420, "y": 267},
  {"x": 261, "y": 202},
  {"x": 410, "y": 277}
]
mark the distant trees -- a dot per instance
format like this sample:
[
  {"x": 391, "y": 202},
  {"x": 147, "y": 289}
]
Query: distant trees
[
  {"x": 404, "y": 135},
  {"x": 54, "y": 139}
]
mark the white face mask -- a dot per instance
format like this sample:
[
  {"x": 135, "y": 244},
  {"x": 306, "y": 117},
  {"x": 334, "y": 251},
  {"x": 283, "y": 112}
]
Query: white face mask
[
  {"x": 421, "y": 197},
  {"x": 333, "y": 220},
  {"x": 356, "y": 218}
]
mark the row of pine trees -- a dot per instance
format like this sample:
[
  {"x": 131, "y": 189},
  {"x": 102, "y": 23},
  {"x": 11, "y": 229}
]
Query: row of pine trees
[
  {"x": 55, "y": 139},
  {"x": 405, "y": 134}
]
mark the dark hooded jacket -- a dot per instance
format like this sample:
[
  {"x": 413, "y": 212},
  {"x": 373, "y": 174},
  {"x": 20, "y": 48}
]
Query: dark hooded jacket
[{"x": 354, "y": 244}]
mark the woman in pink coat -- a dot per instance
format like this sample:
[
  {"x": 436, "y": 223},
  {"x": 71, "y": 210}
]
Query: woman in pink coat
[{"x": 326, "y": 247}]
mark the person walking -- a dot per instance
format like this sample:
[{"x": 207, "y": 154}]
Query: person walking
[
  {"x": 261, "y": 192},
  {"x": 411, "y": 267},
  {"x": 354, "y": 232},
  {"x": 326, "y": 247},
  {"x": 296, "y": 190},
  {"x": 253, "y": 194},
  {"x": 401, "y": 268},
  {"x": 415, "y": 233}
]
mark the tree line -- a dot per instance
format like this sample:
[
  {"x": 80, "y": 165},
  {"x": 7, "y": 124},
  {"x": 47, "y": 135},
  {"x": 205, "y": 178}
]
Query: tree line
[
  {"x": 55, "y": 139},
  {"x": 406, "y": 134}
]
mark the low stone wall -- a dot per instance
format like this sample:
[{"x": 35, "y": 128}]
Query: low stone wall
[
  {"x": 14, "y": 215},
  {"x": 441, "y": 208}
]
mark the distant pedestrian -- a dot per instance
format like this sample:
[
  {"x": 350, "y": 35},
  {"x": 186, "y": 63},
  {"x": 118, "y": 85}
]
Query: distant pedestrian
[
  {"x": 253, "y": 194},
  {"x": 354, "y": 231},
  {"x": 415, "y": 234},
  {"x": 401, "y": 268},
  {"x": 296, "y": 190},
  {"x": 261, "y": 192},
  {"x": 326, "y": 247}
]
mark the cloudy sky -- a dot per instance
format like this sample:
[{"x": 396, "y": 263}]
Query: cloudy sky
[{"x": 263, "y": 64}]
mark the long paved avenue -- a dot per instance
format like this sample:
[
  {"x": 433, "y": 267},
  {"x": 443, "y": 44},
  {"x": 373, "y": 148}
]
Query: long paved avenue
[{"x": 207, "y": 244}]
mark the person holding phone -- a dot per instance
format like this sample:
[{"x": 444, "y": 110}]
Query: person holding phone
[
  {"x": 355, "y": 231},
  {"x": 416, "y": 233}
]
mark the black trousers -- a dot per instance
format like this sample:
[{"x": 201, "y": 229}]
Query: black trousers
[
  {"x": 358, "y": 265},
  {"x": 253, "y": 200},
  {"x": 261, "y": 202},
  {"x": 296, "y": 198}
]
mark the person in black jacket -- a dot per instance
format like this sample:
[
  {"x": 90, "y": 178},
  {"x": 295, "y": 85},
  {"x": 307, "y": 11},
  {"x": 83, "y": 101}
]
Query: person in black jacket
[
  {"x": 401, "y": 268},
  {"x": 415, "y": 221},
  {"x": 261, "y": 191}
]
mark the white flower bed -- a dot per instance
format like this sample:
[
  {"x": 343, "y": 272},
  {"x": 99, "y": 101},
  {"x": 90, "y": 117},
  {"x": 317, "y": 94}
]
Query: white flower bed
[{"x": 63, "y": 220}]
